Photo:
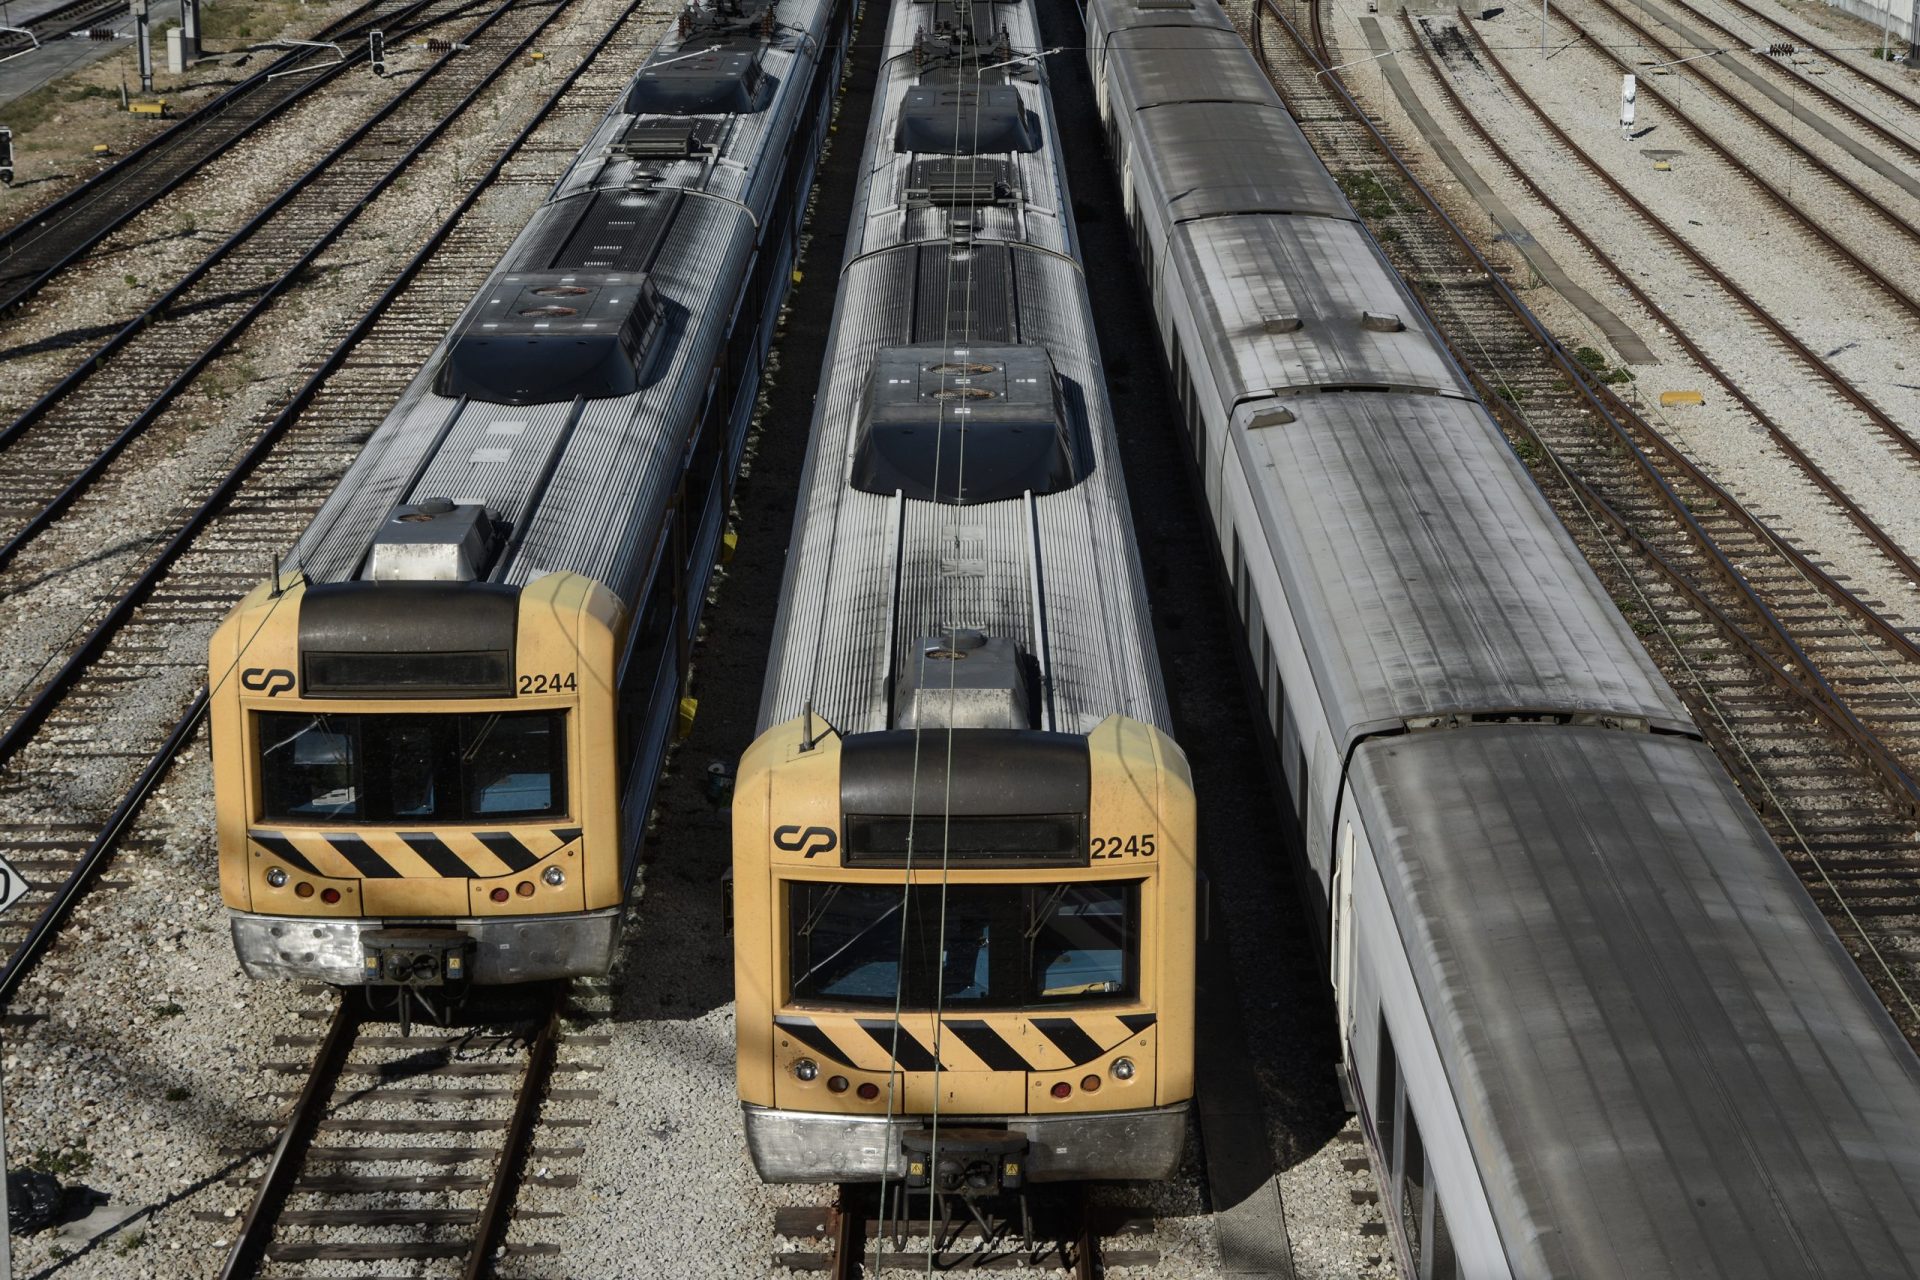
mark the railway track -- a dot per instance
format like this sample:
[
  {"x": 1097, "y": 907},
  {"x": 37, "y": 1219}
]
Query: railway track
[
  {"x": 1834, "y": 103},
  {"x": 58, "y": 22},
  {"x": 83, "y": 755},
  {"x": 1069, "y": 1234},
  {"x": 436, "y": 1125},
  {"x": 54, "y": 451},
  {"x": 1610, "y": 48},
  {"x": 49, "y": 240},
  {"x": 1811, "y": 699},
  {"x": 1891, "y": 96},
  {"x": 1848, "y": 405}
]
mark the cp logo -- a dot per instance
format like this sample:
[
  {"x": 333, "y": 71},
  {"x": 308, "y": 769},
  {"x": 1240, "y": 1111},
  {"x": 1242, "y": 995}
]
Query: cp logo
[
  {"x": 272, "y": 682},
  {"x": 812, "y": 839}
]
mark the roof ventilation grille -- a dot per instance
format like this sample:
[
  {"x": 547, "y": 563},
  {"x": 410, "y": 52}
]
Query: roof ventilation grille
[
  {"x": 1381, "y": 322},
  {"x": 963, "y": 680},
  {"x": 949, "y": 183},
  {"x": 1281, "y": 324},
  {"x": 659, "y": 140},
  {"x": 433, "y": 541}
]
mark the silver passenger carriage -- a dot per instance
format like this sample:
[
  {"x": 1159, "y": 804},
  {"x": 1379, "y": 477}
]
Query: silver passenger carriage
[{"x": 1593, "y": 1024}]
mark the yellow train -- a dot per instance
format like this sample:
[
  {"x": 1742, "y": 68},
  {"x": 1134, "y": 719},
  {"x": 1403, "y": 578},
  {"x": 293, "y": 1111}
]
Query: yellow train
[
  {"x": 436, "y": 733},
  {"x": 965, "y": 913},
  {"x": 1055, "y": 1006}
]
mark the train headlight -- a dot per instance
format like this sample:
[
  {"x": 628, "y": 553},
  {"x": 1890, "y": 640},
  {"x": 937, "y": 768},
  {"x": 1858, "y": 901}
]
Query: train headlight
[
  {"x": 554, "y": 876},
  {"x": 806, "y": 1069},
  {"x": 276, "y": 877},
  {"x": 1123, "y": 1068}
]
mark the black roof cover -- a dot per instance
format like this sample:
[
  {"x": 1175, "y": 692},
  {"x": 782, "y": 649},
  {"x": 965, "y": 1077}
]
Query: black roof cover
[
  {"x": 953, "y": 119},
  {"x": 726, "y": 80},
  {"x": 965, "y": 425},
  {"x": 541, "y": 337}
]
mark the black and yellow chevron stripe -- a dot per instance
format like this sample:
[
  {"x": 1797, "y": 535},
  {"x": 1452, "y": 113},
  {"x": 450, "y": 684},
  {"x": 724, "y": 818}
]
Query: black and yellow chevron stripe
[
  {"x": 966, "y": 1044},
  {"x": 397, "y": 855}
]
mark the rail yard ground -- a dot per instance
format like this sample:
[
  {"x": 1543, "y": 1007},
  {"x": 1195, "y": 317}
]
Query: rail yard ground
[{"x": 141, "y": 1063}]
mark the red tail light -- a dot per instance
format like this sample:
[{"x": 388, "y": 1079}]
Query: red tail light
[
  {"x": 1063, "y": 1089},
  {"x": 329, "y": 896},
  {"x": 499, "y": 895},
  {"x": 868, "y": 1091}
]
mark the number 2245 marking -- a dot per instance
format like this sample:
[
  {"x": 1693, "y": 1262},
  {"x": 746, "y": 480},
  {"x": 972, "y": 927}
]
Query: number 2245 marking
[{"x": 1140, "y": 846}]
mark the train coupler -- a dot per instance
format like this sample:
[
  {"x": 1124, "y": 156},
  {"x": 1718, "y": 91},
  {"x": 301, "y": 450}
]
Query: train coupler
[
  {"x": 416, "y": 957},
  {"x": 967, "y": 1162}
]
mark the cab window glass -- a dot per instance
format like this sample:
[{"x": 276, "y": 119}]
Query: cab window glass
[
  {"x": 412, "y": 768},
  {"x": 984, "y": 946}
]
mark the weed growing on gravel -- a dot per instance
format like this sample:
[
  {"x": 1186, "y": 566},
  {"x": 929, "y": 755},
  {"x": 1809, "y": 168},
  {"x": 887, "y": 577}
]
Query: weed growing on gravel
[
  {"x": 1596, "y": 364},
  {"x": 1527, "y": 450},
  {"x": 167, "y": 1010},
  {"x": 130, "y": 1242},
  {"x": 1369, "y": 195},
  {"x": 58, "y": 1162}
]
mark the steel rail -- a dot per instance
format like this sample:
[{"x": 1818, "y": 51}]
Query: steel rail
[
  {"x": 46, "y": 925},
  {"x": 1827, "y": 485},
  {"x": 1725, "y": 152},
  {"x": 27, "y": 954},
  {"x": 63, "y": 20},
  {"x": 289, "y": 277},
  {"x": 158, "y": 309},
  {"x": 1818, "y": 90},
  {"x": 1814, "y": 688},
  {"x": 494, "y": 1216},
  {"x": 1891, "y": 90},
  {"x": 296, "y": 1139},
  {"x": 1086, "y": 1240},
  {"x": 92, "y": 205},
  {"x": 847, "y": 1227}
]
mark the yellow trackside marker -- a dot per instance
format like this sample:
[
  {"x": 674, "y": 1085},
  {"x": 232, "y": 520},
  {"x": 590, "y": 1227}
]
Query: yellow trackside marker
[
  {"x": 101, "y": 149},
  {"x": 1663, "y": 166},
  {"x": 689, "y": 708},
  {"x": 536, "y": 56},
  {"x": 1680, "y": 399},
  {"x": 729, "y": 543},
  {"x": 797, "y": 276}
]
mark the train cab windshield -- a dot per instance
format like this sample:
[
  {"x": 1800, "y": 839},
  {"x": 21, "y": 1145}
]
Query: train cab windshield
[
  {"x": 472, "y": 767},
  {"x": 1002, "y": 946}
]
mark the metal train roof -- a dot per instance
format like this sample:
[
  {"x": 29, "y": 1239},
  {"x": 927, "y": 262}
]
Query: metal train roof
[
  {"x": 1164, "y": 63},
  {"x": 1426, "y": 573},
  {"x": 603, "y": 469},
  {"x": 1303, "y": 302},
  {"x": 1205, "y": 159},
  {"x": 869, "y": 575},
  {"x": 1666, "y": 1063}
]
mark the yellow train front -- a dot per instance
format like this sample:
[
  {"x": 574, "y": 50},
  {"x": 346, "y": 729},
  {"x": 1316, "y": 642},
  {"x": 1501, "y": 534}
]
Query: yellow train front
[
  {"x": 417, "y": 783},
  {"x": 982, "y": 980},
  {"x": 437, "y": 733}
]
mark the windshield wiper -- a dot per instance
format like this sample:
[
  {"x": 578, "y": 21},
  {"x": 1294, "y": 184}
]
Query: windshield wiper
[{"x": 486, "y": 731}]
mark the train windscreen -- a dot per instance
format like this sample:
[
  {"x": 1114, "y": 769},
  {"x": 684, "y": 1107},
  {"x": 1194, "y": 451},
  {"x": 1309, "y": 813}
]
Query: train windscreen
[
  {"x": 472, "y": 767},
  {"x": 982, "y": 947}
]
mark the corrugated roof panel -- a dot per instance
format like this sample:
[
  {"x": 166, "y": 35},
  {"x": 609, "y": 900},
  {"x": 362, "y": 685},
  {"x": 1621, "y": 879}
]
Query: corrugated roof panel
[
  {"x": 1305, "y": 302},
  {"x": 1652, "y": 1035},
  {"x": 1207, "y": 159},
  {"x": 1427, "y": 575}
]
